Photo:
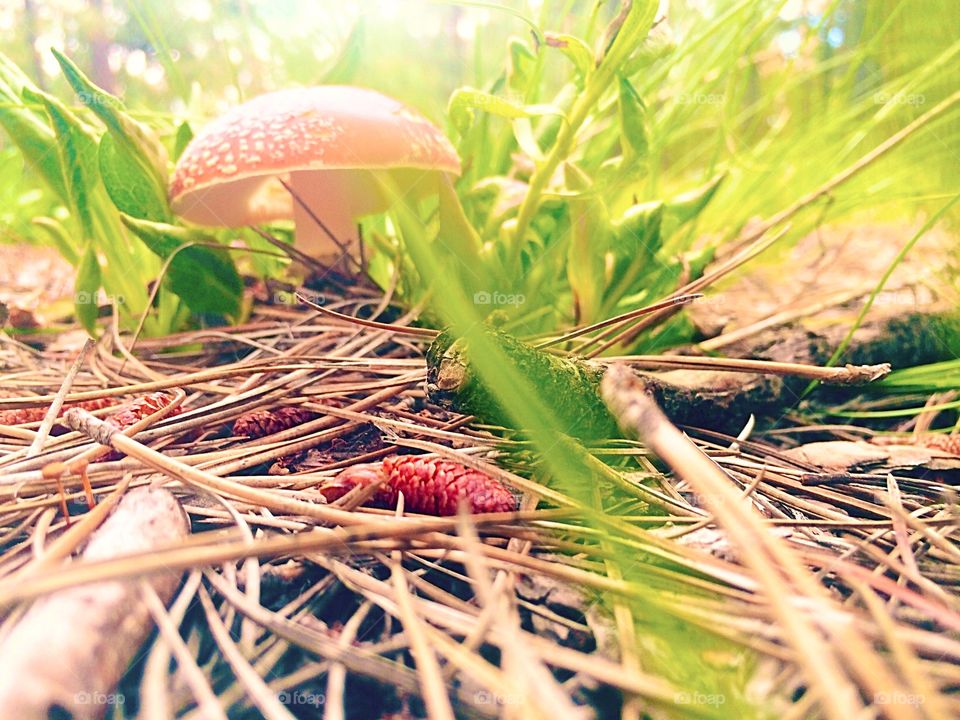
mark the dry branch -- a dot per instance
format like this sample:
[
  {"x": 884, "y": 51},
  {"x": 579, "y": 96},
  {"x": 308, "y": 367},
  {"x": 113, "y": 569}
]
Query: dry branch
[{"x": 71, "y": 648}]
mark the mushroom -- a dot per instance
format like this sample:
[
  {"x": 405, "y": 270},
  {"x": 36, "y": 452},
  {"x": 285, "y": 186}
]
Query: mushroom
[{"x": 309, "y": 154}]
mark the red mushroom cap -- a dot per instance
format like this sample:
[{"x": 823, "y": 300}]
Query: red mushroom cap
[{"x": 225, "y": 176}]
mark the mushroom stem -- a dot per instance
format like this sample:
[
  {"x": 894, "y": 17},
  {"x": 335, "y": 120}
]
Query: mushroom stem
[{"x": 324, "y": 205}]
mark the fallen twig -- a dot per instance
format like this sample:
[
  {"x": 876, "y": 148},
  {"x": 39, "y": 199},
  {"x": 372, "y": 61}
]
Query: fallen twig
[{"x": 71, "y": 648}]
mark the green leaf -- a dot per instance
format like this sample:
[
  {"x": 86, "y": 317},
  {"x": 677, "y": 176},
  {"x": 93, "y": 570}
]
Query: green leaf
[
  {"x": 184, "y": 136},
  {"x": 633, "y": 125},
  {"x": 205, "y": 278},
  {"x": 456, "y": 232},
  {"x": 129, "y": 188},
  {"x": 77, "y": 149},
  {"x": 136, "y": 150},
  {"x": 576, "y": 50},
  {"x": 689, "y": 205},
  {"x": 628, "y": 31},
  {"x": 59, "y": 237},
  {"x": 87, "y": 288},
  {"x": 90, "y": 206},
  {"x": 636, "y": 239},
  {"x": 658, "y": 44},
  {"x": 523, "y": 132},
  {"x": 28, "y": 127},
  {"x": 638, "y": 230},
  {"x": 464, "y": 101},
  {"x": 459, "y": 238},
  {"x": 522, "y": 64}
]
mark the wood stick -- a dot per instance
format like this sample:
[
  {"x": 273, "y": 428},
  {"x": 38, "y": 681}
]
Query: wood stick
[
  {"x": 71, "y": 648},
  {"x": 846, "y": 375}
]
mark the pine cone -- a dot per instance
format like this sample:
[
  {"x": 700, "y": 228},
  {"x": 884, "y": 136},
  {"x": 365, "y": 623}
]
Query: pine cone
[{"x": 260, "y": 423}]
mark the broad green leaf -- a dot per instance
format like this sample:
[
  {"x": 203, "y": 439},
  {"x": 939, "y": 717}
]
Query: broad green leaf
[
  {"x": 576, "y": 50},
  {"x": 131, "y": 190},
  {"x": 633, "y": 127},
  {"x": 638, "y": 226},
  {"x": 87, "y": 288},
  {"x": 689, "y": 205},
  {"x": 29, "y": 127},
  {"x": 636, "y": 240},
  {"x": 464, "y": 101},
  {"x": 77, "y": 147},
  {"x": 205, "y": 278},
  {"x": 90, "y": 206},
  {"x": 136, "y": 150}
]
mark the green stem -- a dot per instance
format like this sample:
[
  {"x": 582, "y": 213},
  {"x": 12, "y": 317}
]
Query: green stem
[
  {"x": 594, "y": 86},
  {"x": 558, "y": 153}
]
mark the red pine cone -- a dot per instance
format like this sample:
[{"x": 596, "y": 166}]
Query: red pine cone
[
  {"x": 260, "y": 423},
  {"x": 136, "y": 410},
  {"x": 939, "y": 441},
  {"x": 144, "y": 406},
  {"x": 429, "y": 485},
  {"x": 21, "y": 416}
]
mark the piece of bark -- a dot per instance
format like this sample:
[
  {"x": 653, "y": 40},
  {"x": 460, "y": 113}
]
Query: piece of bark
[
  {"x": 860, "y": 456},
  {"x": 714, "y": 400},
  {"x": 725, "y": 400},
  {"x": 70, "y": 649}
]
